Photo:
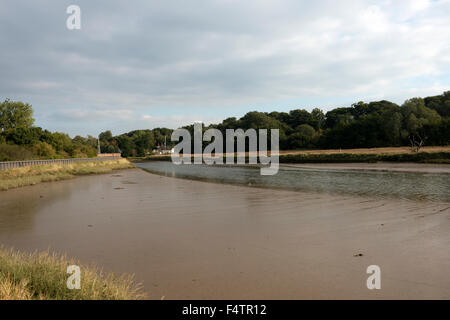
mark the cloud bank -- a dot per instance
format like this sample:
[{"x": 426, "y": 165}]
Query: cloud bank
[{"x": 145, "y": 64}]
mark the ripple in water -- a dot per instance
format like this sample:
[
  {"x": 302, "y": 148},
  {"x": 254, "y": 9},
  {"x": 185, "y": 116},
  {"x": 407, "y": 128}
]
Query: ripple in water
[{"x": 405, "y": 185}]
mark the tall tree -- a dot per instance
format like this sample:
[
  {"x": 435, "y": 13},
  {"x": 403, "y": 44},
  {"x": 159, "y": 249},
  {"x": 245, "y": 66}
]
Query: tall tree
[
  {"x": 15, "y": 114},
  {"x": 417, "y": 118},
  {"x": 318, "y": 118}
]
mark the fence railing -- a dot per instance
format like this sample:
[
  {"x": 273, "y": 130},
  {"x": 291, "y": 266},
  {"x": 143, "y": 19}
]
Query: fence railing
[
  {"x": 17, "y": 164},
  {"x": 108, "y": 155}
]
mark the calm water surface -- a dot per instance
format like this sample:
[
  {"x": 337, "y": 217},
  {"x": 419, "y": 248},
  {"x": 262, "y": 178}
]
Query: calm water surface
[{"x": 405, "y": 185}]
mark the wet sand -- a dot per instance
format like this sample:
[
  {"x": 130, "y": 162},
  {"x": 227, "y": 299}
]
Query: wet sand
[
  {"x": 379, "y": 166},
  {"x": 196, "y": 240}
]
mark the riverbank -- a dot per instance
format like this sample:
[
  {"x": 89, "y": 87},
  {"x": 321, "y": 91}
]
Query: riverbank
[
  {"x": 419, "y": 157},
  {"x": 31, "y": 175},
  {"x": 437, "y": 155},
  {"x": 187, "y": 239},
  {"x": 43, "y": 276},
  {"x": 384, "y": 150},
  {"x": 379, "y": 166}
]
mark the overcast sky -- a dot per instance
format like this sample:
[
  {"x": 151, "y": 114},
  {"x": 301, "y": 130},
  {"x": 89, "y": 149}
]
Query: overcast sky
[{"x": 145, "y": 64}]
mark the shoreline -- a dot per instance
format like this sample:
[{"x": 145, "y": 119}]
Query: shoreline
[
  {"x": 36, "y": 174},
  {"x": 438, "y": 155},
  {"x": 411, "y": 167},
  {"x": 382, "y": 166}
]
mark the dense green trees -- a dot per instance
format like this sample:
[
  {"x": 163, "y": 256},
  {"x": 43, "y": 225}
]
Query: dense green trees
[
  {"x": 416, "y": 122},
  {"x": 137, "y": 143},
  {"x": 302, "y": 137},
  {"x": 363, "y": 125},
  {"x": 19, "y": 140},
  {"x": 384, "y": 124},
  {"x": 15, "y": 114},
  {"x": 441, "y": 104}
]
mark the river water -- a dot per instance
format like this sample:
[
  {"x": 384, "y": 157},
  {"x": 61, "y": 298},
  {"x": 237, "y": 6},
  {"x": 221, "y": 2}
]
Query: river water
[{"x": 404, "y": 185}]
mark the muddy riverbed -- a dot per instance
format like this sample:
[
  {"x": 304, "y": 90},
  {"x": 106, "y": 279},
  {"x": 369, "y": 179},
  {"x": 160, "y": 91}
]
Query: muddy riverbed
[{"x": 201, "y": 240}]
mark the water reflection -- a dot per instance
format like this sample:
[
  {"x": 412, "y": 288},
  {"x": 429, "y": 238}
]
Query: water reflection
[{"x": 20, "y": 208}]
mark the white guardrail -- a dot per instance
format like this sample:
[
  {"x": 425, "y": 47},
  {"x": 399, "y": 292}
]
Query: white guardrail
[{"x": 17, "y": 164}]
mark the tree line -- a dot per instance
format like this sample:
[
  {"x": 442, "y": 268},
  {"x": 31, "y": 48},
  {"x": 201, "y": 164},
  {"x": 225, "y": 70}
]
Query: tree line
[
  {"x": 20, "y": 140},
  {"x": 136, "y": 143},
  {"x": 417, "y": 122}
]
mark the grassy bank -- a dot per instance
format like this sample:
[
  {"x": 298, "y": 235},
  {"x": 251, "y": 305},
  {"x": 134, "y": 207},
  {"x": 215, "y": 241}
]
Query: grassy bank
[
  {"x": 43, "y": 276},
  {"x": 420, "y": 157},
  {"x": 19, "y": 177}
]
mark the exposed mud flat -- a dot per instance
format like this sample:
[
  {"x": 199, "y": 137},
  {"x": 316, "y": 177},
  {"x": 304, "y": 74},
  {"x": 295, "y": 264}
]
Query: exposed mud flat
[{"x": 199, "y": 240}]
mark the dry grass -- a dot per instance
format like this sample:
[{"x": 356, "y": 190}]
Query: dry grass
[
  {"x": 43, "y": 276},
  {"x": 390, "y": 150},
  {"x": 25, "y": 176}
]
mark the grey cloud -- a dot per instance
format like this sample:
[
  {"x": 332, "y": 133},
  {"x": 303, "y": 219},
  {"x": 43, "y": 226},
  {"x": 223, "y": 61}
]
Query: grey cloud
[{"x": 154, "y": 56}]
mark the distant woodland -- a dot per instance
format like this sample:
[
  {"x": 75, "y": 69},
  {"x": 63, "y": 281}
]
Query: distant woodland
[{"x": 417, "y": 122}]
